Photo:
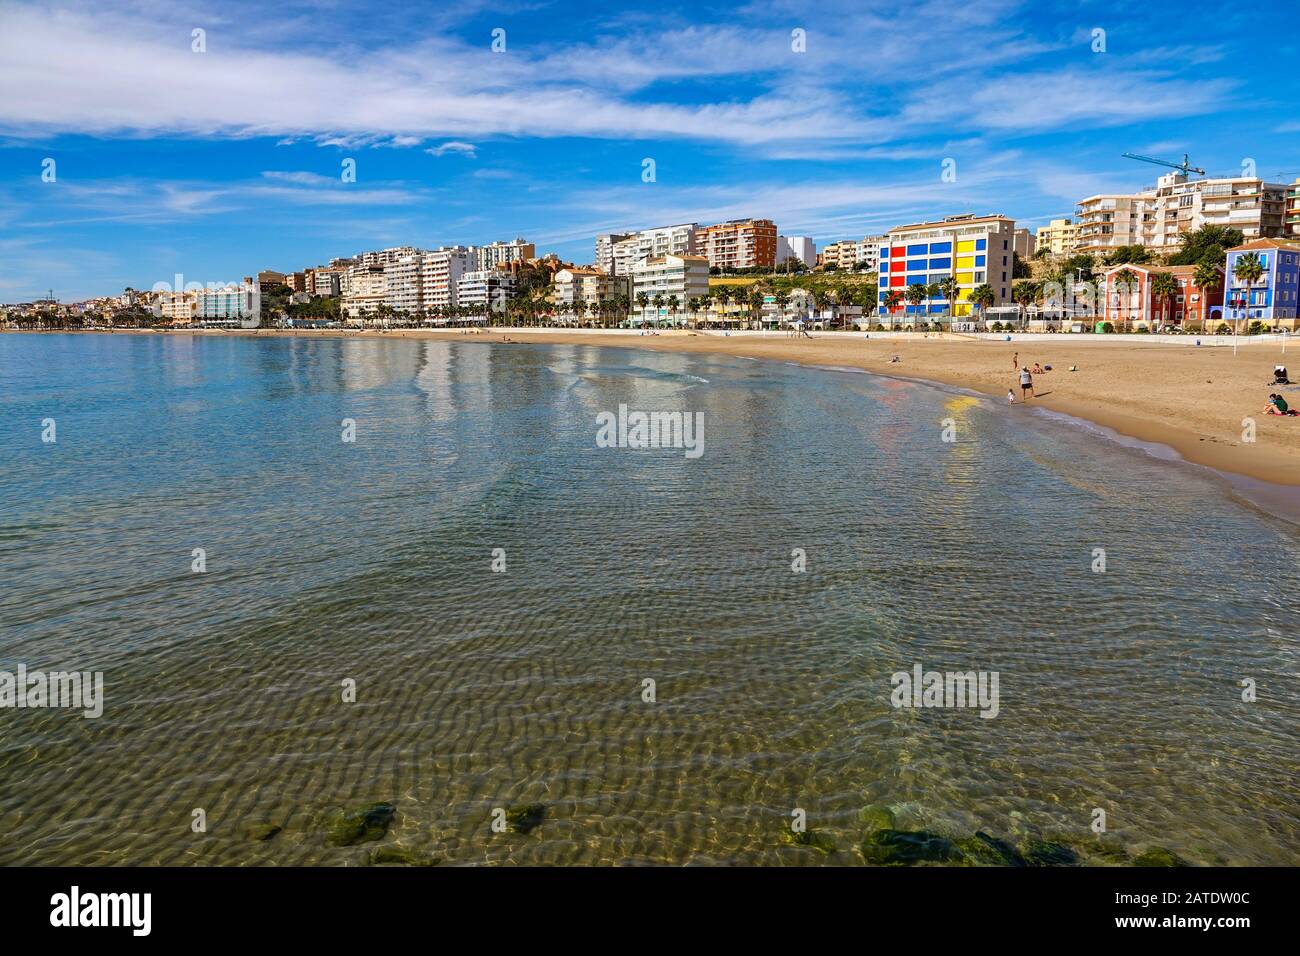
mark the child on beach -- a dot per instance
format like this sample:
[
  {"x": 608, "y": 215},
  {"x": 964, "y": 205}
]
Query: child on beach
[{"x": 1011, "y": 397}]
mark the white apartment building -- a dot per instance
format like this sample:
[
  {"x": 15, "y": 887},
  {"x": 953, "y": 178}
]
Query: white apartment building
[
  {"x": 796, "y": 247},
  {"x": 605, "y": 250},
  {"x": 974, "y": 250},
  {"x": 231, "y": 305},
  {"x": 485, "y": 290},
  {"x": 503, "y": 253},
  {"x": 677, "y": 240},
  {"x": 441, "y": 275},
  {"x": 404, "y": 284},
  {"x": 384, "y": 256},
  {"x": 683, "y": 277},
  {"x": 1160, "y": 216}
]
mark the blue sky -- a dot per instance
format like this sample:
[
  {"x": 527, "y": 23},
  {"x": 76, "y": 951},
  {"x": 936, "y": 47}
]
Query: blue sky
[{"x": 217, "y": 164}]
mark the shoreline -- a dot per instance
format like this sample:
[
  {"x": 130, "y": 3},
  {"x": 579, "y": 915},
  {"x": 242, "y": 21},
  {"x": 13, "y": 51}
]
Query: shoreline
[{"x": 1191, "y": 399}]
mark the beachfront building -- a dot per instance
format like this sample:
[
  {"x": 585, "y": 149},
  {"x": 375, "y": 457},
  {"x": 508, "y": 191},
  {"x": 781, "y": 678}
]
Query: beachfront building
[
  {"x": 234, "y": 306},
  {"x": 1293, "y": 209},
  {"x": 383, "y": 257},
  {"x": 179, "y": 308},
  {"x": 1130, "y": 300},
  {"x": 499, "y": 254},
  {"x": 1159, "y": 217},
  {"x": 1272, "y": 299},
  {"x": 441, "y": 272},
  {"x": 796, "y": 247},
  {"x": 679, "y": 240},
  {"x": 973, "y": 250},
  {"x": 485, "y": 291},
  {"x": 667, "y": 277},
  {"x": 404, "y": 284},
  {"x": 590, "y": 286},
  {"x": 366, "y": 290},
  {"x": 1058, "y": 237},
  {"x": 738, "y": 244}
]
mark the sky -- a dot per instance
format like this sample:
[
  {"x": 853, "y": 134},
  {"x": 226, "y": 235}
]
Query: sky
[{"x": 220, "y": 154}]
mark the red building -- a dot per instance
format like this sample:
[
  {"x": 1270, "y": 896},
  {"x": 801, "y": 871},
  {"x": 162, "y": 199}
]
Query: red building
[{"x": 1133, "y": 302}]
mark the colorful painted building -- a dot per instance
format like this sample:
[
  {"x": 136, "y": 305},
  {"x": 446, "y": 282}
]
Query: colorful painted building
[
  {"x": 1272, "y": 298},
  {"x": 1134, "y": 303},
  {"x": 974, "y": 250}
]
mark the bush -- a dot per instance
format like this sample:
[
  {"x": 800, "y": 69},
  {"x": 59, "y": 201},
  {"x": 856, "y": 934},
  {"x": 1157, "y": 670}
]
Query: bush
[
  {"x": 1223, "y": 329},
  {"x": 1108, "y": 327},
  {"x": 1257, "y": 328}
]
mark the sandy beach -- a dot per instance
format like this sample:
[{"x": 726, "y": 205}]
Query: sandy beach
[{"x": 1190, "y": 398}]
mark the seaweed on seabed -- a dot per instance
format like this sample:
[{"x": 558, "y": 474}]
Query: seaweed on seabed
[
  {"x": 524, "y": 818},
  {"x": 809, "y": 838},
  {"x": 905, "y": 847},
  {"x": 360, "y": 826},
  {"x": 393, "y": 854}
]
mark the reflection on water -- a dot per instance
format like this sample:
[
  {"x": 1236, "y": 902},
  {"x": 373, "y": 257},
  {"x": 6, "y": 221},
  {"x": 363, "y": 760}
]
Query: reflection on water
[{"x": 371, "y": 561}]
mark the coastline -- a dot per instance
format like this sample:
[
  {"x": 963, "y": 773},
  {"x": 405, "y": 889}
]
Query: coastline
[{"x": 1191, "y": 399}]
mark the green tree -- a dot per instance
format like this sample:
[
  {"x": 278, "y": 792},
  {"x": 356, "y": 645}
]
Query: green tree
[{"x": 1163, "y": 289}]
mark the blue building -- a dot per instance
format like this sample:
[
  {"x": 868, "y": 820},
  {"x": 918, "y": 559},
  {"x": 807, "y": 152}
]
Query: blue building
[{"x": 1273, "y": 298}]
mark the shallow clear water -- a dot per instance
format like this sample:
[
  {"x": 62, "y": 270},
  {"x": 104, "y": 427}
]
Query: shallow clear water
[{"x": 476, "y": 690}]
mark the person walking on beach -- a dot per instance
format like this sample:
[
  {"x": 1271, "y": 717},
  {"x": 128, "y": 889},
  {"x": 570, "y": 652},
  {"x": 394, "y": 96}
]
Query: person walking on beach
[
  {"x": 1026, "y": 384},
  {"x": 1015, "y": 361}
]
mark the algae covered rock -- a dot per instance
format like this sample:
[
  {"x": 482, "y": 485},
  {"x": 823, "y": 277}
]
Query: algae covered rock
[
  {"x": 809, "y": 838},
  {"x": 360, "y": 826},
  {"x": 905, "y": 847},
  {"x": 262, "y": 831},
  {"x": 985, "y": 850},
  {"x": 401, "y": 856},
  {"x": 1049, "y": 853},
  {"x": 524, "y": 818},
  {"x": 1158, "y": 856},
  {"x": 876, "y": 817}
]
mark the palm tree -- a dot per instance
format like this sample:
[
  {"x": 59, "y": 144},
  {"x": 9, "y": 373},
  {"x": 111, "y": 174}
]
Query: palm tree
[
  {"x": 658, "y": 303},
  {"x": 782, "y": 300},
  {"x": 1025, "y": 292},
  {"x": 1208, "y": 274},
  {"x": 1248, "y": 270},
  {"x": 723, "y": 296},
  {"x": 932, "y": 292},
  {"x": 755, "y": 302},
  {"x": 893, "y": 298},
  {"x": 916, "y": 293},
  {"x": 672, "y": 309},
  {"x": 982, "y": 296},
  {"x": 1124, "y": 280},
  {"x": 1163, "y": 288},
  {"x": 950, "y": 289},
  {"x": 642, "y": 301}
]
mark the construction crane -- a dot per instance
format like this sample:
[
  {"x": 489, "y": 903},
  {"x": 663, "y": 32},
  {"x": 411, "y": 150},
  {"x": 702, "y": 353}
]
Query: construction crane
[{"x": 1185, "y": 166}]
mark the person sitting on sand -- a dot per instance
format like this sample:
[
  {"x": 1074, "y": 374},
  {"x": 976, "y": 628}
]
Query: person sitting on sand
[
  {"x": 1038, "y": 369},
  {"x": 895, "y": 359},
  {"x": 1277, "y": 406}
]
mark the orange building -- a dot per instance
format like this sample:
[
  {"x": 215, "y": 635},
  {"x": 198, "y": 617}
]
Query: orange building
[
  {"x": 738, "y": 244},
  {"x": 1133, "y": 302}
]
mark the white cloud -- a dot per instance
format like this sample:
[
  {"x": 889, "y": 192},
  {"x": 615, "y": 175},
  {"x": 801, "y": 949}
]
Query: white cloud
[{"x": 456, "y": 147}]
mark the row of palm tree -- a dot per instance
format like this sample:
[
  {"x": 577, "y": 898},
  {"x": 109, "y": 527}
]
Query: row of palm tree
[{"x": 980, "y": 297}]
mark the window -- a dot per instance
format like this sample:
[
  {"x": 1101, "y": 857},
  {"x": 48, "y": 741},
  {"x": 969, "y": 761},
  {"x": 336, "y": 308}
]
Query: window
[{"x": 979, "y": 260}]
